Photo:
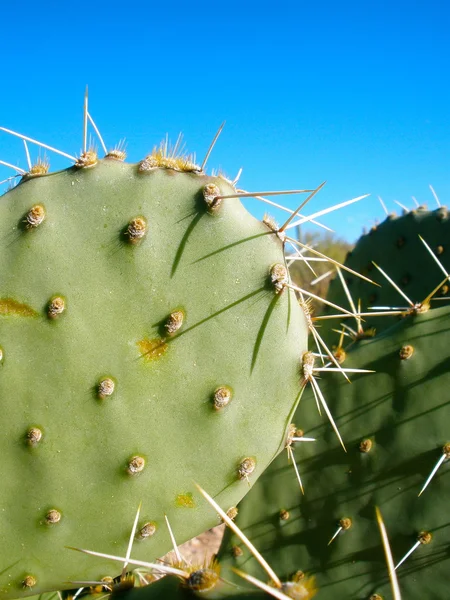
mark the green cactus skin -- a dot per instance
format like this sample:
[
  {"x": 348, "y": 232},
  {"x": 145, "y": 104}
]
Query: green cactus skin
[
  {"x": 97, "y": 416},
  {"x": 174, "y": 588},
  {"x": 395, "y": 246},
  {"x": 171, "y": 588},
  {"x": 395, "y": 424}
]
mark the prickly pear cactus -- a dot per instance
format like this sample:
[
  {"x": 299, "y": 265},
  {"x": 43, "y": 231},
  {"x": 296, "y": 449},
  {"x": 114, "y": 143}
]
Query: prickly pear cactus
[
  {"x": 147, "y": 341},
  {"x": 395, "y": 246},
  {"x": 394, "y": 424},
  {"x": 171, "y": 588}
]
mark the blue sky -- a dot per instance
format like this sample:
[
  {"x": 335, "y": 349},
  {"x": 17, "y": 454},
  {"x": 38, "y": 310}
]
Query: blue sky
[{"x": 355, "y": 93}]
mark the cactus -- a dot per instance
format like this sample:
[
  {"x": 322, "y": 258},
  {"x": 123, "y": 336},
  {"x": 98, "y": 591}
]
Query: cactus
[
  {"x": 395, "y": 246},
  {"x": 170, "y": 588},
  {"x": 204, "y": 580},
  {"x": 147, "y": 340},
  {"x": 394, "y": 425}
]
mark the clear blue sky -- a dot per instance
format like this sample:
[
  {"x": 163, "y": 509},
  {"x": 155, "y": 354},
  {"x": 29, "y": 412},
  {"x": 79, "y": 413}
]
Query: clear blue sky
[{"x": 357, "y": 93}]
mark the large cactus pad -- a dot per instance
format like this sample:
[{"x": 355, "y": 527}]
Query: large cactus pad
[{"x": 144, "y": 345}]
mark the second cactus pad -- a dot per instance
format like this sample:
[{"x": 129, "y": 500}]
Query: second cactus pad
[
  {"x": 145, "y": 345},
  {"x": 395, "y": 246},
  {"x": 394, "y": 424}
]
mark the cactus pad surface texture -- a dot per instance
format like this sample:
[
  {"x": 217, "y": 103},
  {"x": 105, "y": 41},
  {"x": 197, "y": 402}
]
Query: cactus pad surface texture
[
  {"x": 395, "y": 246},
  {"x": 394, "y": 424},
  {"x": 144, "y": 345}
]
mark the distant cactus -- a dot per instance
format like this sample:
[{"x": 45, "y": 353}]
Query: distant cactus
[
  {"x": 396, "y": 247},
  {"x": 394, "y": 424}
]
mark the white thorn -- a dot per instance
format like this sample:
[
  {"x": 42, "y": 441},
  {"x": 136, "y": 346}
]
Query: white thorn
[
  {"x": 131, "y": 540},
  {"x": 98, "y": 133},
  {"x": 383, "y": 205},
  {"x": 142, "y": 579},
  {"x": 352, "y": 331},
  {"x": 299, "y": 256},
  {"x": 327, "y": 411},
  {"x": 321, "y": 277},
  {"x": 297, "y": 289},
  {"x": 139, "y": 563},
  {"x": 180, "y": 559},
  {"x": 342, "y": 333},
  {"x": 294, "y": 464},
  {"x": 19, "y": 170},
  {"x": 397, "y": 311},
  {"x": 331, "y": 356},
  {"x": 177, "y": 143},
  {"x": 306, "y": 247},
  {"x": 316, "y": 341},
  {"x": 241, "y": 535},
  {"x": 435, "y": 196},
  {"x": 394, "y": 285},
  {"x": 433, "y": 472},
  {"x": 433, "y": 255},
  {"x": 339, "y": 529},
  {"x": 85, "y": 120},
  {"x": 166, "y": 145},
  {"x": 306, "y": 258},
  {"x": 263, "y": 586},
  {"x": 281, "y": 207},
  {"x": 415, "y": 201},
  {"x": 27, "y": 152},
  {"x": 344, "y": 369},
  {"x": 287, "y": 224},
  {"x": 326, "y": 211},
  {"x": 89, "y": 583},
  {"x": 386, "y": 308},
  {"x": 238, "y": 176},
  {"x": 331, "y": 260},
  {"x": 211, "y": 146},
  {"x": 349, "y": 298},
  {"x": 28, "y": 139},
  {"x": 9, "y": 178},
  {"x": 254, "y": 194},
  {"x": 316, "y": 398},
  {"x": 401, "y": 206},
  {"x": 388, "y": 554},
  {"x": 410, "y": 551}
]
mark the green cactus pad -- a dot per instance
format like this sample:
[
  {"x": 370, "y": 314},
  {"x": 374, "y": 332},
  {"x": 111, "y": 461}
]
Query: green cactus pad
[
  {"x": 172, "y": 588},
  {"x": 395, "y": 424},
  {"x": 396, "y": 247},
  {"x": 125, "y": 304}
]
